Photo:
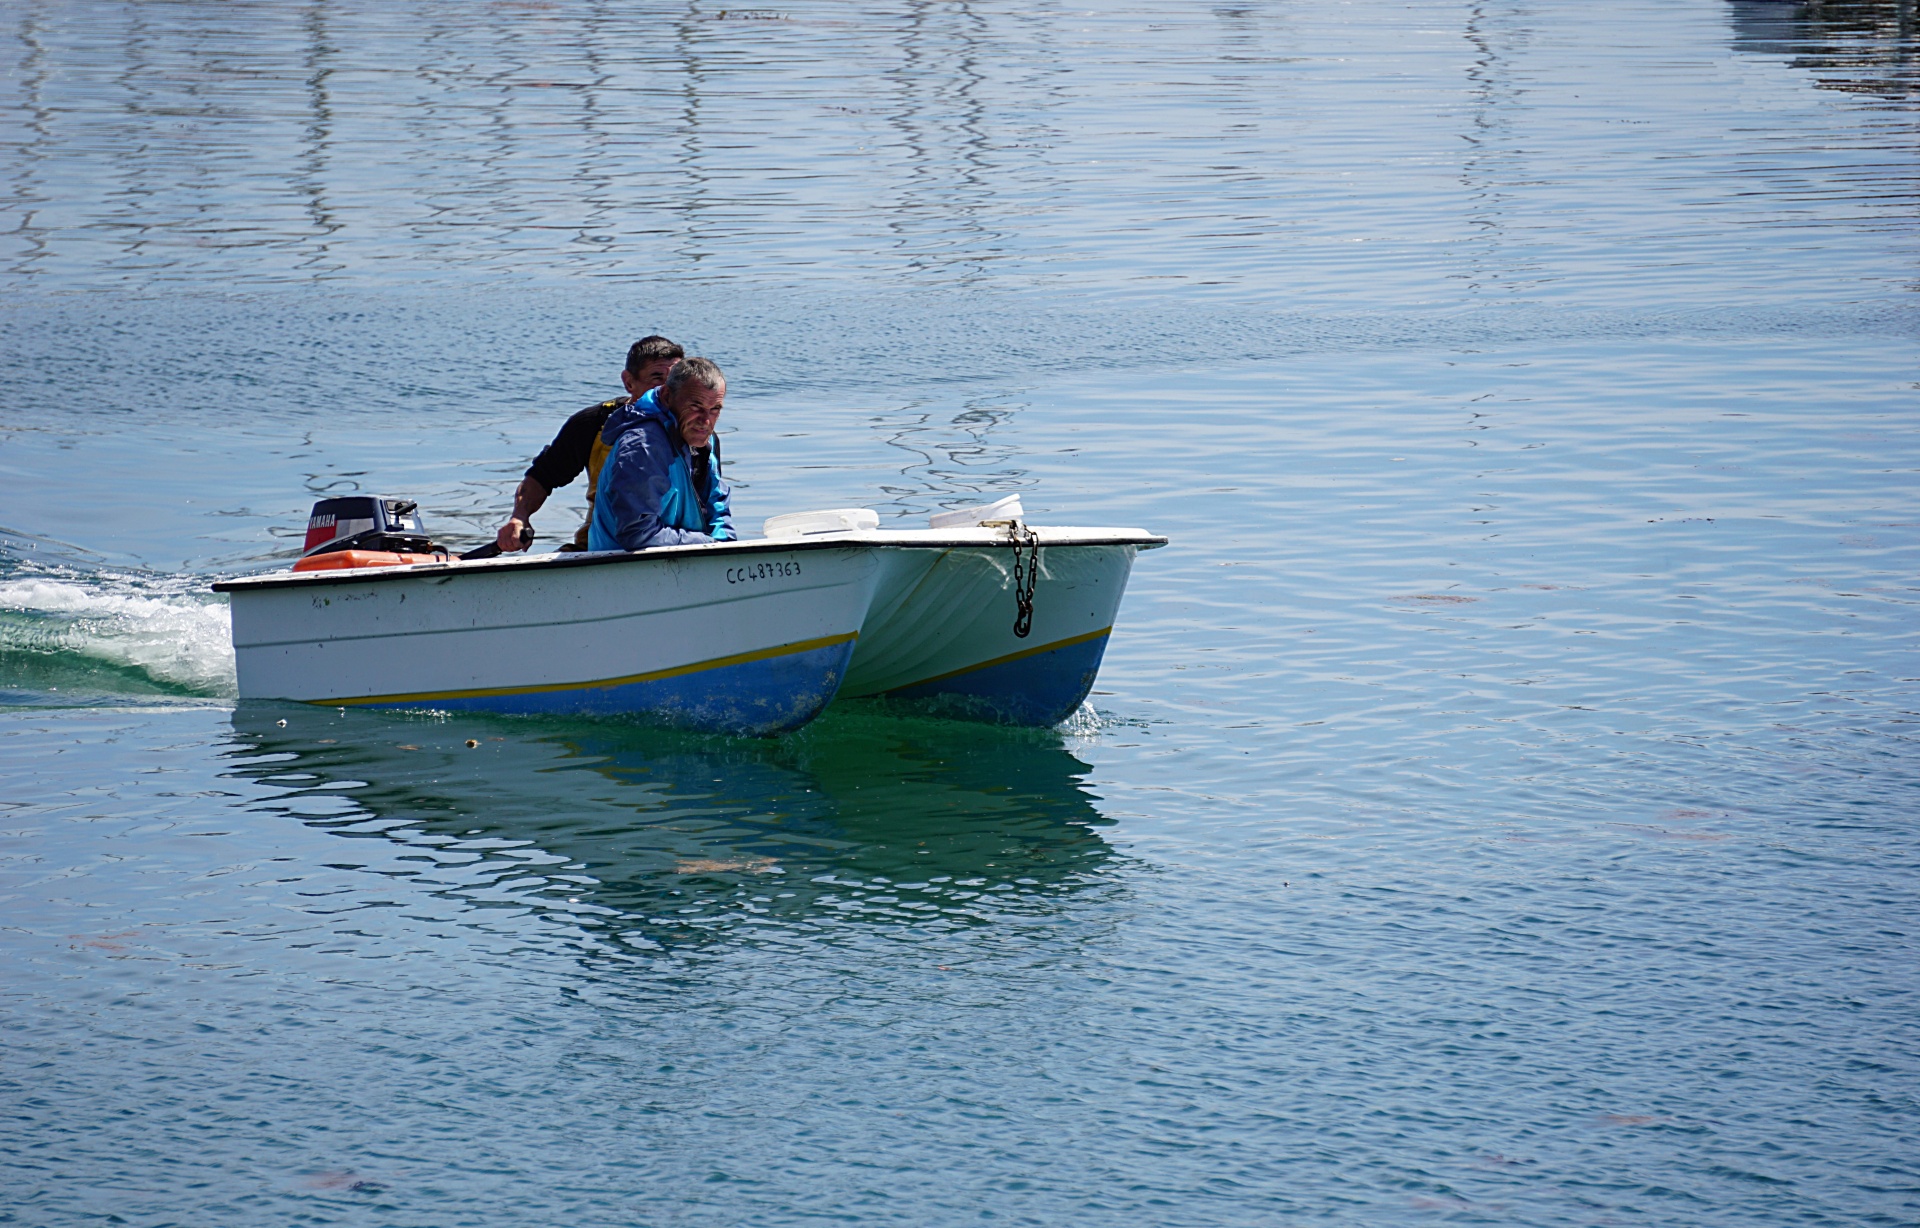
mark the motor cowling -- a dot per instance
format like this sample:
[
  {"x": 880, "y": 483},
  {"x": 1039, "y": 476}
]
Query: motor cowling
[{"x": 367, "y": 522}]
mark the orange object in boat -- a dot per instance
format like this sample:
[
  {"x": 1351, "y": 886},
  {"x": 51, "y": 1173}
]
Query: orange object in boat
[{"x": 339, "y": 560}]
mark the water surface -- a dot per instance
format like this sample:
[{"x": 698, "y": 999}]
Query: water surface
[{"x": 1497, "y": 806}]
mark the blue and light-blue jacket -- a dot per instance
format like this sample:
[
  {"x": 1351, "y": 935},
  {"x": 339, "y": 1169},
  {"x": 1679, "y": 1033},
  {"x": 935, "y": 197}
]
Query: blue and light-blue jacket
[{"x": 645, "y": 495}]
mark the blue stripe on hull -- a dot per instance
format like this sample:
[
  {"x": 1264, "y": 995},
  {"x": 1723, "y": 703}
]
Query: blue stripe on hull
[
  {"x": 753, "y": 697},
  {"x": 1043, "y": 689}
]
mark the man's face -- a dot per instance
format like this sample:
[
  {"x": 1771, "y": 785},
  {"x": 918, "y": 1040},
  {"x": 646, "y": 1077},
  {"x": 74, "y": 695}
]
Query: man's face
[
  {"x": 651, "y": 376},
  {"x": 698, "y": 409}
]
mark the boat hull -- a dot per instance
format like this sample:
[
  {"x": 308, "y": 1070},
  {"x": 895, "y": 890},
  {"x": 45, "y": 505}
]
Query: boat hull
[
  {"x": 942, "y": 631},
  {"x": 706, "y": 642},
  {"x": 736, "y": 637}
]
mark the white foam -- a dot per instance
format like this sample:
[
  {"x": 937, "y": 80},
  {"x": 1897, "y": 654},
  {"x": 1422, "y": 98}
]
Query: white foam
[
  {"x": 1084, "y": 722},
  {"x": 162, "y": 628}
]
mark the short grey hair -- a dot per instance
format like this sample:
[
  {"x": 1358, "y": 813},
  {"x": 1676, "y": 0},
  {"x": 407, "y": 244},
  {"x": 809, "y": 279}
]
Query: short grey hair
[{"x": 702, "y": 371}]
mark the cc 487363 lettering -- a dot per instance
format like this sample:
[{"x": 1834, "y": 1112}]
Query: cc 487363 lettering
[{"x": 762, "y": 571}]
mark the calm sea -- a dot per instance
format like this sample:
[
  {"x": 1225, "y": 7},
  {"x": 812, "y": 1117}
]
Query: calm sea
[{"x": 1499, "y": 805}]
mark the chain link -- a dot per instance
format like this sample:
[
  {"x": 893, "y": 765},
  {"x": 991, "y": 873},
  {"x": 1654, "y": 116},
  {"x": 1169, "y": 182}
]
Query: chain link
[{"x": 1024, "y": 577}]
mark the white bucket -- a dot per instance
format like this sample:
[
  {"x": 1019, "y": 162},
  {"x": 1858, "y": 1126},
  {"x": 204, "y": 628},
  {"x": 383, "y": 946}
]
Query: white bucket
[{"x": 1005, "y": 509}]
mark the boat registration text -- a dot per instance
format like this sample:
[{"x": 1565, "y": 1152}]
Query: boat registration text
[{"x": 762, "y": 571}]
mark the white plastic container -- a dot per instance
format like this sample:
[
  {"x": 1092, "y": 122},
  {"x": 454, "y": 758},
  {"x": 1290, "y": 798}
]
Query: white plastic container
[{"x": 1004, "y": 509}]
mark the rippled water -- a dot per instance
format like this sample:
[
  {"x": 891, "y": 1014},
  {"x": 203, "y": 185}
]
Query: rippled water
[{"x": 1497, "y": 806}]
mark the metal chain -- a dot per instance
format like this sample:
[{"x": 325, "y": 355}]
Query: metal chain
[{"x": 1024, "y": 577}]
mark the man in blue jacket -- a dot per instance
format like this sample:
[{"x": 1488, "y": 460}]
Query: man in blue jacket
[{"x": 661, "y": 483}]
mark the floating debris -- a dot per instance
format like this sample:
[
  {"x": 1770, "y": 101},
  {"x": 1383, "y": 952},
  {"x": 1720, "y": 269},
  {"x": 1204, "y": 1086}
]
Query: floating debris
[{"x": 740, "y": 865}]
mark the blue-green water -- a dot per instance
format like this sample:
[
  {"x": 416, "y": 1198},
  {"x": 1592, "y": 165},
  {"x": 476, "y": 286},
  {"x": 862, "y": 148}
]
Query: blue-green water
[{"x": 1498, "y": 805}]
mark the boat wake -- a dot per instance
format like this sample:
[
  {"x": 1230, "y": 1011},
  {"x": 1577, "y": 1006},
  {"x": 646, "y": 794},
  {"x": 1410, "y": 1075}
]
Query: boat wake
[{"x": 110, "y": 633}]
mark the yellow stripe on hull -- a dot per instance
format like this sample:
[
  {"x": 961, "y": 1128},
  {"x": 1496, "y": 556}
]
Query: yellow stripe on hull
[
  {"x": 678, "y": 671},
  {"x": 1010, "y": 657}
]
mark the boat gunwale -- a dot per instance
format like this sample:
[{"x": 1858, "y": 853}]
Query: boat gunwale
[{"x": 979, "y": 539}]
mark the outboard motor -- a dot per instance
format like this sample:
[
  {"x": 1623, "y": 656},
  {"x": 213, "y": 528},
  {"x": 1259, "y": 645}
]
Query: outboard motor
[{"x": 364, "y": 522}]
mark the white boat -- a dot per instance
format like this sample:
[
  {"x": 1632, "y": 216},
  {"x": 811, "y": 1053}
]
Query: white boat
[{"x": 740, "y": 637}]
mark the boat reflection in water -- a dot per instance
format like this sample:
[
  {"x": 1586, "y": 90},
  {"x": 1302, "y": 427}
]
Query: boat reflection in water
[
  {"x": 1864, "y": 47},
  {"x": 655, "y": 838}
]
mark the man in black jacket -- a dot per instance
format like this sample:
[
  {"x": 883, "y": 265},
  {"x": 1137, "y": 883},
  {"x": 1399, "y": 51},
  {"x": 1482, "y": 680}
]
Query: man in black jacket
[{"x": 578, "y": 445}]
